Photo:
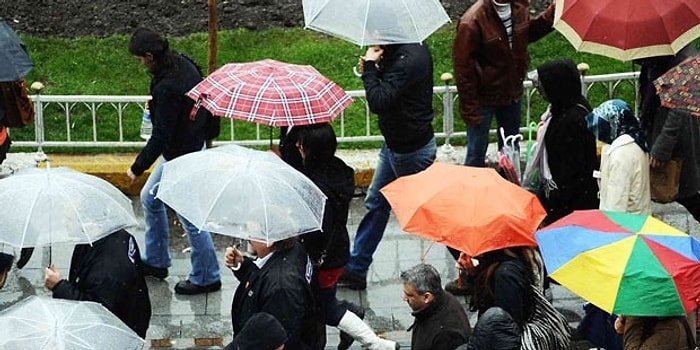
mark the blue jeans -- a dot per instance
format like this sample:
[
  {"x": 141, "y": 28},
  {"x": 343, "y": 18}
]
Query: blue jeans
[
  {"x": 205, "y": 267},
  {"x": 391, "y": 166},
  {"x": 507, "y": 117}
]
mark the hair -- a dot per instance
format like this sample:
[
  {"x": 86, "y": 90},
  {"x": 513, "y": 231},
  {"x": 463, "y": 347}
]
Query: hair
[
  {"x": 424, "y": 278},
  {"x": 284, "y": 245},
  {"x": 146, "y": 41},
  {"x": 6, "y": 262},
  {"x": 319, "y": 143}
]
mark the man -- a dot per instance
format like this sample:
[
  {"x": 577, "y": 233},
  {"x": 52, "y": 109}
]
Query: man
[
  {"x": 440, "y": 320},
  {"x": 398, "y": 81},
  {"x": 108, "y": 272},
  {"x": 175, "y": 133},
  {"x": 276, "y": 282}
]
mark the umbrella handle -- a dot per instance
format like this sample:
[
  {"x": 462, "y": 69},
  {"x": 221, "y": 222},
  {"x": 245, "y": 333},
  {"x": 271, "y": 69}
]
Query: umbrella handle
[{"x": 356, "y": 72}]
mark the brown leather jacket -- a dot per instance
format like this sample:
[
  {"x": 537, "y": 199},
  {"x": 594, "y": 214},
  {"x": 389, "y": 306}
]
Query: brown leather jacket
[{"x": 488, "y": 71}]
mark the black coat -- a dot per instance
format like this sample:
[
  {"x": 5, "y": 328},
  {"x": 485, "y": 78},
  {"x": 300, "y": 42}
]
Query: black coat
[
  {"x": 174, "y": 134},
  {"x": 109, "y": 273},
  {"x": 280, "y": 288},
  {"x": 495, "y": 330},
  {"x": 443, "y": 325},
  {"x": 400, "y": 91}
]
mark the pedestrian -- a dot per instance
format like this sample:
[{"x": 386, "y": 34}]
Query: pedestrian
[
  {"x": 624, "y": 164},
  {"x": 569, "y": 150},
  {"x": 4, "y": 136},
  {"x": 275, "y": 282},
  {"x": 5, "y": 267},
  {"x": 174, "y": 134},
  {"x": 441, "y": 322},
  {"x": 655, "y": 333},
  {"x": 108, "y": 272},
  {"x": 329, "y": 249},
  {"x": 398, "y": 82},
  {"x": 261, "y": 332}
]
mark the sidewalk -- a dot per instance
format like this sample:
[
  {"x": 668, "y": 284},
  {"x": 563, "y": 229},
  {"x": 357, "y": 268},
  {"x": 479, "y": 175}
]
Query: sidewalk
[{"x": 204, "y": 321}]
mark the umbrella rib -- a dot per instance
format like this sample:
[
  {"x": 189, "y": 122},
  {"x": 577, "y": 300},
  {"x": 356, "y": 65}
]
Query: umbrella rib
[
  {"x": 315, "y": 15},
  {"x": 26, "y": 222},
  {"x": 102, "y": 194},
  {"x": 413, "y": 21},
  {"x": 364, "y": 26}
]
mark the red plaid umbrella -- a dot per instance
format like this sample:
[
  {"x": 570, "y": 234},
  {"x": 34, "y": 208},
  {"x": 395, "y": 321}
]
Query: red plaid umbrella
[
  {"x": 628, "y": 29},
  {"x": 680, "y": 86},
  {"x": 271, "y": 93}
]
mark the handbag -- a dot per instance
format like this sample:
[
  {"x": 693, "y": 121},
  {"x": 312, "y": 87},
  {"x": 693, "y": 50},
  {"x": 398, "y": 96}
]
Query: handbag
[
  {"x": 547, "y": 328},
  {"x": 19, "y": 109},
  {"x": 665, "y": 180}
]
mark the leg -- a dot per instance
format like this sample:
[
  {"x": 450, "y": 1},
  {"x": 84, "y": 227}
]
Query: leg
[
  {"x": 205, "y": 267},
  {"x": 157, "y": 250},
  {"x": 478, "y": 139}
]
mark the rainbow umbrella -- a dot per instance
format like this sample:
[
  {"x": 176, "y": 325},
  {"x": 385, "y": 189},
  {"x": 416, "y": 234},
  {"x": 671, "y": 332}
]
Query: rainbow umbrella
[{"x": 625, "y": 264}]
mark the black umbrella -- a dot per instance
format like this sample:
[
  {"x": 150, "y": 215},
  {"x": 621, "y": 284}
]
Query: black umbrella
[{"x": 13, "y": 54}]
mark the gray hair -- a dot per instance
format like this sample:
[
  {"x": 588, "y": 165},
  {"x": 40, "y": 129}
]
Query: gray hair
[{"x": 423, "y": 277}]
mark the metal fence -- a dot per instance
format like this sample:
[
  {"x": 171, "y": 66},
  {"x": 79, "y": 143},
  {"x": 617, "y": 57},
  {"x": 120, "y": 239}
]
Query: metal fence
[{"x": 113, "y": 121}]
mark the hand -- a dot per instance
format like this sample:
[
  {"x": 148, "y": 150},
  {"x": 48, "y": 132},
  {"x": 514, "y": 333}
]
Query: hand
[
  {"x": 131, "y": 175},
  {"x": 620, "y": 325},
  {"x": 374, "y": 53},
  {"x": 233, "y": 257},
  {"x": 360, "y": 65},
  {"x": 51, "y": 277},
  {"x": 655, "y": 162}
]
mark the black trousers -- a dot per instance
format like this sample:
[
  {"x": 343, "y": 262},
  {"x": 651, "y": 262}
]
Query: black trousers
[{"x": 692, "y": 204}]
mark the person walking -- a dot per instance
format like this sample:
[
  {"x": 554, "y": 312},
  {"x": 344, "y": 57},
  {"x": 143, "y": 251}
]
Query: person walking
[
  {"x": 398, "y": 82},
  {"x": 174, "y": 134}
]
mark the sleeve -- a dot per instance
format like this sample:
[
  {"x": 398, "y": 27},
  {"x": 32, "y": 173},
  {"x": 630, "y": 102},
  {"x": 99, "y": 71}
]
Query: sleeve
[
  {"x": 495, "y": 330},
  {"x": 618, "y": 185},
  {"x": 509, "y": 290},
  {"x": 466, "y": 44},
  {"x": 384, "y": 94},
  {"x": 542, "y": 24},
  {"x": 288, "y": 307},
  {"x": 95, "y": 286},
  {"x": 448, "y": 340},
  {"x": 663, "y": 146},
  {"x": 244, "y": 271}
]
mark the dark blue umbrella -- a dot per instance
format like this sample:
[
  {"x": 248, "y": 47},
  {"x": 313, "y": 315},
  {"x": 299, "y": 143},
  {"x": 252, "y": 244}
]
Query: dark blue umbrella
[{"x": 13, "y": 54}]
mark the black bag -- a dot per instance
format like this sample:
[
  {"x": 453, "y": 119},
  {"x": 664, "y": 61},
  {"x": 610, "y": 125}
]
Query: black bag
[
  {"x": 212, "y": 123},
  {"x": 19, "y": 109}
]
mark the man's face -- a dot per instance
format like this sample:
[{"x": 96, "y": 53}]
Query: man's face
[{"x": 416, "y": 301}]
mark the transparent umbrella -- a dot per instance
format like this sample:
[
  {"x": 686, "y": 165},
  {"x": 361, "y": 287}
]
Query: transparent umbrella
[
  {"x": 60, "y": 205},
  {"x": 56, "y": 324},
  {"x": 243, "y": 193}
]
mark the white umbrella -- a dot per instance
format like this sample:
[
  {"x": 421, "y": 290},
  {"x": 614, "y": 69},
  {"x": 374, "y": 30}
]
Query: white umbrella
[
  {"x": 60, "y": 205},
  {"x": 375, "y": 22},
  {"x": 44, "y": 323},
  {"x": 242, "y": 193}
]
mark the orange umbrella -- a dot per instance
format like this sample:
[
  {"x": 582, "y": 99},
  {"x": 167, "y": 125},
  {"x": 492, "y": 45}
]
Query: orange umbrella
[{"x": 470, "y": 209}]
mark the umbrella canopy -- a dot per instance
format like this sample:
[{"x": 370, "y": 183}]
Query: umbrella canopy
[
  {"x": 628, "y": 29},
  {"x": 13, "y": 55},
  {"x": 242, "y": 193},
  {"x": 375, "y": 22},
  {"x": 680, "y": 86},
  {"x": 45, "y": 323},
  {"x": 60, "y": 205},
  {"x": 271, "y": 93},
  {"x": 624, "y": 263},
  {"x": 470, "y": 209}
]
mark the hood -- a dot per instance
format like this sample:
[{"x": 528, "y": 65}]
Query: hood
[
  {"x": 262, "y": 331},
  {"x": 561, "y": 83}
]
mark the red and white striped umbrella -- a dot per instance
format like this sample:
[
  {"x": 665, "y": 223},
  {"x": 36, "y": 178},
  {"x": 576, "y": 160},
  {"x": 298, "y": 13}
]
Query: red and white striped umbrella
[{"x": 272, "y": 93}]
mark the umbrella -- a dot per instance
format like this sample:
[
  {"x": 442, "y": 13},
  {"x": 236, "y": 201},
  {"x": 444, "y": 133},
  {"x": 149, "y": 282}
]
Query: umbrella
[
  {"x": 45, "y": 323},
  {"x": 628, "y": 29},
  {"x": 680, "y": 86},
  {"x": 272, "y": 93},
  {"x": 239, "y": 192},
  {"x": 13, "y": 55},
  {"x": 375, "y": 22},
  {"x": 509, "y": 157},
  {"x": 470, "y": 209},
  {"x": 60, "y": 205},
  {"x": 623, "y": 263}
]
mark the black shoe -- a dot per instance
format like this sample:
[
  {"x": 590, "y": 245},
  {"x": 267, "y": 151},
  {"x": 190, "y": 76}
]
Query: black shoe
[
  {"x": 157, "y": 272},
  {"x": 188, "y": 288},
  {"x": 352, "y": 281},
  {"x": 346, "y": 340},
  {"x": 454, "y": 287}
]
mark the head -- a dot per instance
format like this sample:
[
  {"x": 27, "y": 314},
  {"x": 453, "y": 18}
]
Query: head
[
  {"x": 262, "y": 331},
  {"x": 150, "y": 49},
  {"x": 316, "y": 143},
  {"x": 263, "y": 249},
  {"x": 5, "y": 266},
  {"x": 561, "y": 82},
  {"x": 421, "y": 285},
  {"x": 611, "y": 119}
]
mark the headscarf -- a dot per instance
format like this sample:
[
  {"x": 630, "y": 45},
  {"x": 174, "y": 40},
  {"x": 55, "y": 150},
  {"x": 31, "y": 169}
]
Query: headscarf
[{"x": 612, "y": 119}]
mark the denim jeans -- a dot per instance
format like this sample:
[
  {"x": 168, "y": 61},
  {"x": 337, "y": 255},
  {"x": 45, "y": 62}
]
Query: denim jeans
[
  {"x": 507, "y": 117},
  {"x": 205, "y": 267},
  {"x": 391, "y": 166}
]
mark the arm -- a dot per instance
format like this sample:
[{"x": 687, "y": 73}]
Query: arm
[
  {"x": 448, "y": 340},
  {"x": 509, "y": 290},
  {"x": 383, "y": 94},
  {"x": 619, "y": 182},
  {"x": 663, "y": 146},
  {"x": 96, "y": 285},
  {"x": 466, "y": 45},
  {"x": 542, "y": 24}
]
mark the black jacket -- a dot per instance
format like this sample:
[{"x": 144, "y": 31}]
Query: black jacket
[
  {"x": 281, "y": 289},
  {"x": 332, "y": 246},
  {"x": 443, "y": 325},
  {"x": 109, "y": 273},
  {"x": 174, "y": 134},
  {"x": 400, "y": 91},
  {"x": 495, "y": 330}
]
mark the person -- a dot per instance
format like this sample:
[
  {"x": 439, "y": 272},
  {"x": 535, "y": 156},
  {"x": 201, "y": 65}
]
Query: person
[
  {"x": 108, "y": 272},
  {"x": 276, "y": 282},
  {"x": 4, "y": 136},
  {"x": 657, "y": 333},
  {"x": 5, "y": 266},
  {"x": 440, "y": 320},
  {"x": 174, "y": 134},
  {"x": 624, "y": 164},
  {"x": 329, "y": 249},
  {"x": 398, "y": 82},
  {"x": 569, "y": 147},
  {"x": 261, "y": 332}
]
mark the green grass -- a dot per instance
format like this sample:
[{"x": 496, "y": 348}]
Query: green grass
[{"x": 95, "y": 66}]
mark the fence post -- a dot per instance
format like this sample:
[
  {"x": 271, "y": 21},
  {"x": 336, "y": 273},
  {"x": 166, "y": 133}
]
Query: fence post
[
  {"x": 583, "y": 69},
  {"x": 448, "y": 112},
  {"x": 37, "y": 86}
]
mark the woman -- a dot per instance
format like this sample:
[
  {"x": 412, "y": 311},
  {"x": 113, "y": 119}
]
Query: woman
[{"x": 655, "y": 333}]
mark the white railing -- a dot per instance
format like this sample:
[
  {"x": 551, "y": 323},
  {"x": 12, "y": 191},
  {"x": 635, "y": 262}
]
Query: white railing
[{"x": 114, "y": 120}]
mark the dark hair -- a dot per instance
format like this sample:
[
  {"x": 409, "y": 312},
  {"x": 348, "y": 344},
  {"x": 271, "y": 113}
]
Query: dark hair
[
  {"x": 319, "y": 143},
  {"x": 6, "y": 262},
  {"x": 146, "y": 41}
]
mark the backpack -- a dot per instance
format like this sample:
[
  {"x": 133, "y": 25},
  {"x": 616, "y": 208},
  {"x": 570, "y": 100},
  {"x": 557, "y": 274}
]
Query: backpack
[
  {"x": 212, "y": 123},
  {"x": 19, "y": 109}
]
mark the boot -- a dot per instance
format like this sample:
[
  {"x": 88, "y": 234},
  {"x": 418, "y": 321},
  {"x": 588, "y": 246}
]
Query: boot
[
  {"x": 354, "y": 326},
  {"x": 346, "y": 339}
]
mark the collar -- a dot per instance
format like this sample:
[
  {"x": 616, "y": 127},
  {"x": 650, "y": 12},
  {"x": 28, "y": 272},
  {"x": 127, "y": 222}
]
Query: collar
[
  {"x": 260, "y": 262},
  {"x": 432, "y": 308},
  {"x": 620, "y": 141}
]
